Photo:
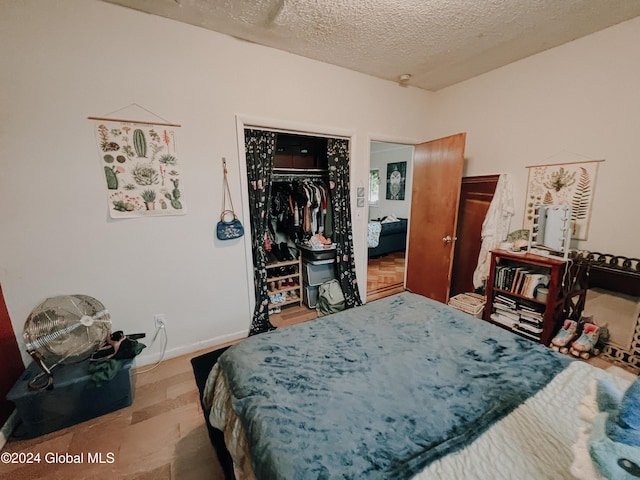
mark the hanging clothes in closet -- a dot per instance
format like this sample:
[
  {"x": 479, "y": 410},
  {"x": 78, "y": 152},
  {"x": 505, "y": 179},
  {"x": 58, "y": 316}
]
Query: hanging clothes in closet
[{"x": 302, "y": 209}]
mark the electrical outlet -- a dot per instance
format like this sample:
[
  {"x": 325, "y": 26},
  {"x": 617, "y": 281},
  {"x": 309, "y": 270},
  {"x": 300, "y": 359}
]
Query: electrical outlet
[{"x": 159, "y": 320}]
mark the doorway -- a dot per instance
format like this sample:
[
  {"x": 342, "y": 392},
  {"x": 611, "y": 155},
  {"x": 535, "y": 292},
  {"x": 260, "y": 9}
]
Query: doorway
[
  {"x": 433, "y": 179},
  {"x": 390, "y": 171}
]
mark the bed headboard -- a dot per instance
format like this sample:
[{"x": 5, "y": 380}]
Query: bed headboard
[{"x": 613, "y": 273}]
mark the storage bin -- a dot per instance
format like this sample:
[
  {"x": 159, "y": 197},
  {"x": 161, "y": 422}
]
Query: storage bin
[
  {"x": 73, "y": 399},
  {"x": 310, "y": 296},
  {"x": 315, "y": 273},
  {"x": 325, "y": 253}
]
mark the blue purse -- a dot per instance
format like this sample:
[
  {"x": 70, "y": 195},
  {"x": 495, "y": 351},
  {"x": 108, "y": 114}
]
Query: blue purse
[
  {"x": 232, "y": 229},
  {"x": 229, "y": 230}
]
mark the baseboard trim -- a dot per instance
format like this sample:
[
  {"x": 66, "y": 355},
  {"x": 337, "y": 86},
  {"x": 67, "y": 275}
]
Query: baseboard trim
[
  {"x": 150, "y": 358},
  {"x": 7, "y": 428}
]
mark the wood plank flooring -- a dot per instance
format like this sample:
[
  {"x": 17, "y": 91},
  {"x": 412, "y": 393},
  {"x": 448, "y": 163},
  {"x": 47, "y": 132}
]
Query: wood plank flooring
[
  {"x": 385, "y": 275},
  {"x": 161, "y": 436}
]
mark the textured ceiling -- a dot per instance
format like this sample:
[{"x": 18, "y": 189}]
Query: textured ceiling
[{"x": 438, "y": 42}]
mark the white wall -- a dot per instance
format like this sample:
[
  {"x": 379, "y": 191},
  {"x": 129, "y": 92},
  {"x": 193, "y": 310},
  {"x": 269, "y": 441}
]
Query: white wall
[
  {"x": 381, "y": 156},
  {"x": 576, "y": 102},
  {"x": 69, "y": 59}
]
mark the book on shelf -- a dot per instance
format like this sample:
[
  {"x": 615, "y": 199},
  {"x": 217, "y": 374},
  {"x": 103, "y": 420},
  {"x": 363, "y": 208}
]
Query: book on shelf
[
  {"x": 507, "y": 314},
  {"x": 534, "y": 280},
  {"x": 503, "y": 320},
  {"x": 532, "y": 315},
  {"x": 531, "y": 322},
  {"x": 502, "y": 307},
  {"x": 505, "y": 300},
  {"x": 528, "y": 308},
  {"x": 529, "y": 328},
  {"x": 525, "y": 333}
]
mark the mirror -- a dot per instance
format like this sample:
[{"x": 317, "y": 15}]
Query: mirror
[
  {"x": 608, "y": 289},
  {"x": 551, "y": 231}
]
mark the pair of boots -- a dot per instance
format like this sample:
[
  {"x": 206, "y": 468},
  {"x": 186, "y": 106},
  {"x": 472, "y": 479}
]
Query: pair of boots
[
  {"x": 585, "y": 345},
  {"x": 281, "y": 252}
]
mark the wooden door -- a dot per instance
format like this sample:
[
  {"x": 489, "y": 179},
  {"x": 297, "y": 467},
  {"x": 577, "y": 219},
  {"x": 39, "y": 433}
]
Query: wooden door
[
  {"x": 475, "y": 198},
  {"x": 12, "y": 366},
  {"x": 435, "y": 196}
]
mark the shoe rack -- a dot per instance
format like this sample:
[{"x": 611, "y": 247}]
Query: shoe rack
[{"x": 280, "y": 282}]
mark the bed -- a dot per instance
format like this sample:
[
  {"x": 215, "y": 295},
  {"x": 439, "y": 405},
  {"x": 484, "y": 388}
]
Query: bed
[{"x": 403, "y": 387}]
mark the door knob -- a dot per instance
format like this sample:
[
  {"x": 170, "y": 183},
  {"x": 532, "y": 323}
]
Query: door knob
[{"x": 448, "y": 239}]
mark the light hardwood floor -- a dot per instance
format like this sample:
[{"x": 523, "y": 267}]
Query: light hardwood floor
[
  {"x": 161, "y": 436},
  {"x": 385, "y": 275}
]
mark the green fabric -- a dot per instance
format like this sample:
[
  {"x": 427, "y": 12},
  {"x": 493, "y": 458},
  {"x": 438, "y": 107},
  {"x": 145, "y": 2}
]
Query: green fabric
[{"x": 105, "y": 370}]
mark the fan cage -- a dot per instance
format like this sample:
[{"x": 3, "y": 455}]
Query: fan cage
[{"x": 66, "y": 329}]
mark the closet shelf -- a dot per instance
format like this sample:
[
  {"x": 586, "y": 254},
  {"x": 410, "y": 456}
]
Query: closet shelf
[
  {"x": 290, "y": 288},
  {"x": 297, "y": 274},
  {"x": 283, "y": 277},
  {"x": 286, "y": 302},
  {"x": 283, "y": 264}
]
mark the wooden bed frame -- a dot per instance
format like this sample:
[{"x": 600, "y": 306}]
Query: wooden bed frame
[{"x": 610, "y": 272}]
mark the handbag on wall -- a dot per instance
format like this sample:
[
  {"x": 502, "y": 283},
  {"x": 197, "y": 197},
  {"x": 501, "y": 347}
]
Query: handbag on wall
[{"x": 228, "y": 230}]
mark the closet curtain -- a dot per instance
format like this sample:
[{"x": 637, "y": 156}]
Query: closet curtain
[
  {"x": 338, "y": 155},
  {"x": 260, "y": 149}
]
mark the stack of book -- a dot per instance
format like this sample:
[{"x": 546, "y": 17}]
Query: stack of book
[
  {"x": 471, "y": 303},
  {"x": 516, "y": 315}
]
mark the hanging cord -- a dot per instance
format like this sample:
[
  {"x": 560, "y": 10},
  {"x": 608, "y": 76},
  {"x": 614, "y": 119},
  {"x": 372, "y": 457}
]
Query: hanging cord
[
  {"x": 162, "y": 353},
  {"x": 107, "y": 117},
  {"x": 226, "y": 191}
]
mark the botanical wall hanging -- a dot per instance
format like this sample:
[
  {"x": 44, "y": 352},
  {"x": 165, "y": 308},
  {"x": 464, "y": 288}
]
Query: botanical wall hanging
[
  {"x": 141, "y": 168},
  {"x": 563, "y": 184}
]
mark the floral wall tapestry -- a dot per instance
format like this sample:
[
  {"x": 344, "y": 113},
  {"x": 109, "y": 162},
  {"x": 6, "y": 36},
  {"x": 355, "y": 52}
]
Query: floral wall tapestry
[
  {"x": 141, "y": 168},
  {"x": 570, "y": 184}
]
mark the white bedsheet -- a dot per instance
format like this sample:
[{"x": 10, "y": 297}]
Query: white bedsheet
[{"x": 534, "y": 442}]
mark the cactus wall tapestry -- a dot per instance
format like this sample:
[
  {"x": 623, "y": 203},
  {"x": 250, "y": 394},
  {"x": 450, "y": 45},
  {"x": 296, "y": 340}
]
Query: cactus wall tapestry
[
  {"x": 141, "y": 169},
  {"x": 563, "y": 184}
]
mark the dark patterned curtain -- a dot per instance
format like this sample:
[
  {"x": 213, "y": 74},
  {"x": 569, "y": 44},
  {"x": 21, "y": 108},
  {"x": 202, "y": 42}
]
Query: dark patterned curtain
[
  {"x": 260, "y": 148},
  {"x": 338, "y": 154}
]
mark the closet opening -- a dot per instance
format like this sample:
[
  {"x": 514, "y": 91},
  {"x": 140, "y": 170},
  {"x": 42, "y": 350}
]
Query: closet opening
[
  {"x": 389, "y": 208},
  {"x": 300, "y": 229},
  {"x": 298, "y": 217}
]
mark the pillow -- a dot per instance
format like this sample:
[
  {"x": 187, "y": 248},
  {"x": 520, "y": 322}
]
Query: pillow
[
  {"x": 625, "y": 426},
  {"x": 390, "y": 218},
  {"x": 608, "y": 396},
  {"x": 612, "y": 446}
]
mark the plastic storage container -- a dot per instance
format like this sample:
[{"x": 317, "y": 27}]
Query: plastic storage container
[
  {"x": 315, "y": 273},
  {"x": 74, "y": 398},
  {"x": 324, "y": 253},
  {"x": 310, "y": 296}
]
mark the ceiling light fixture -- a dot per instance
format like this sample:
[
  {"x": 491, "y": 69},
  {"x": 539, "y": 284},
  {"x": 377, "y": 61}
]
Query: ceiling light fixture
[{"x": 404, "y": 78}]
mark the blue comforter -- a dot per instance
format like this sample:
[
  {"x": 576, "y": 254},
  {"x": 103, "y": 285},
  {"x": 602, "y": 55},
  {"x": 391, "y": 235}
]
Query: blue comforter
[{"x": 378, "y": 391}]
